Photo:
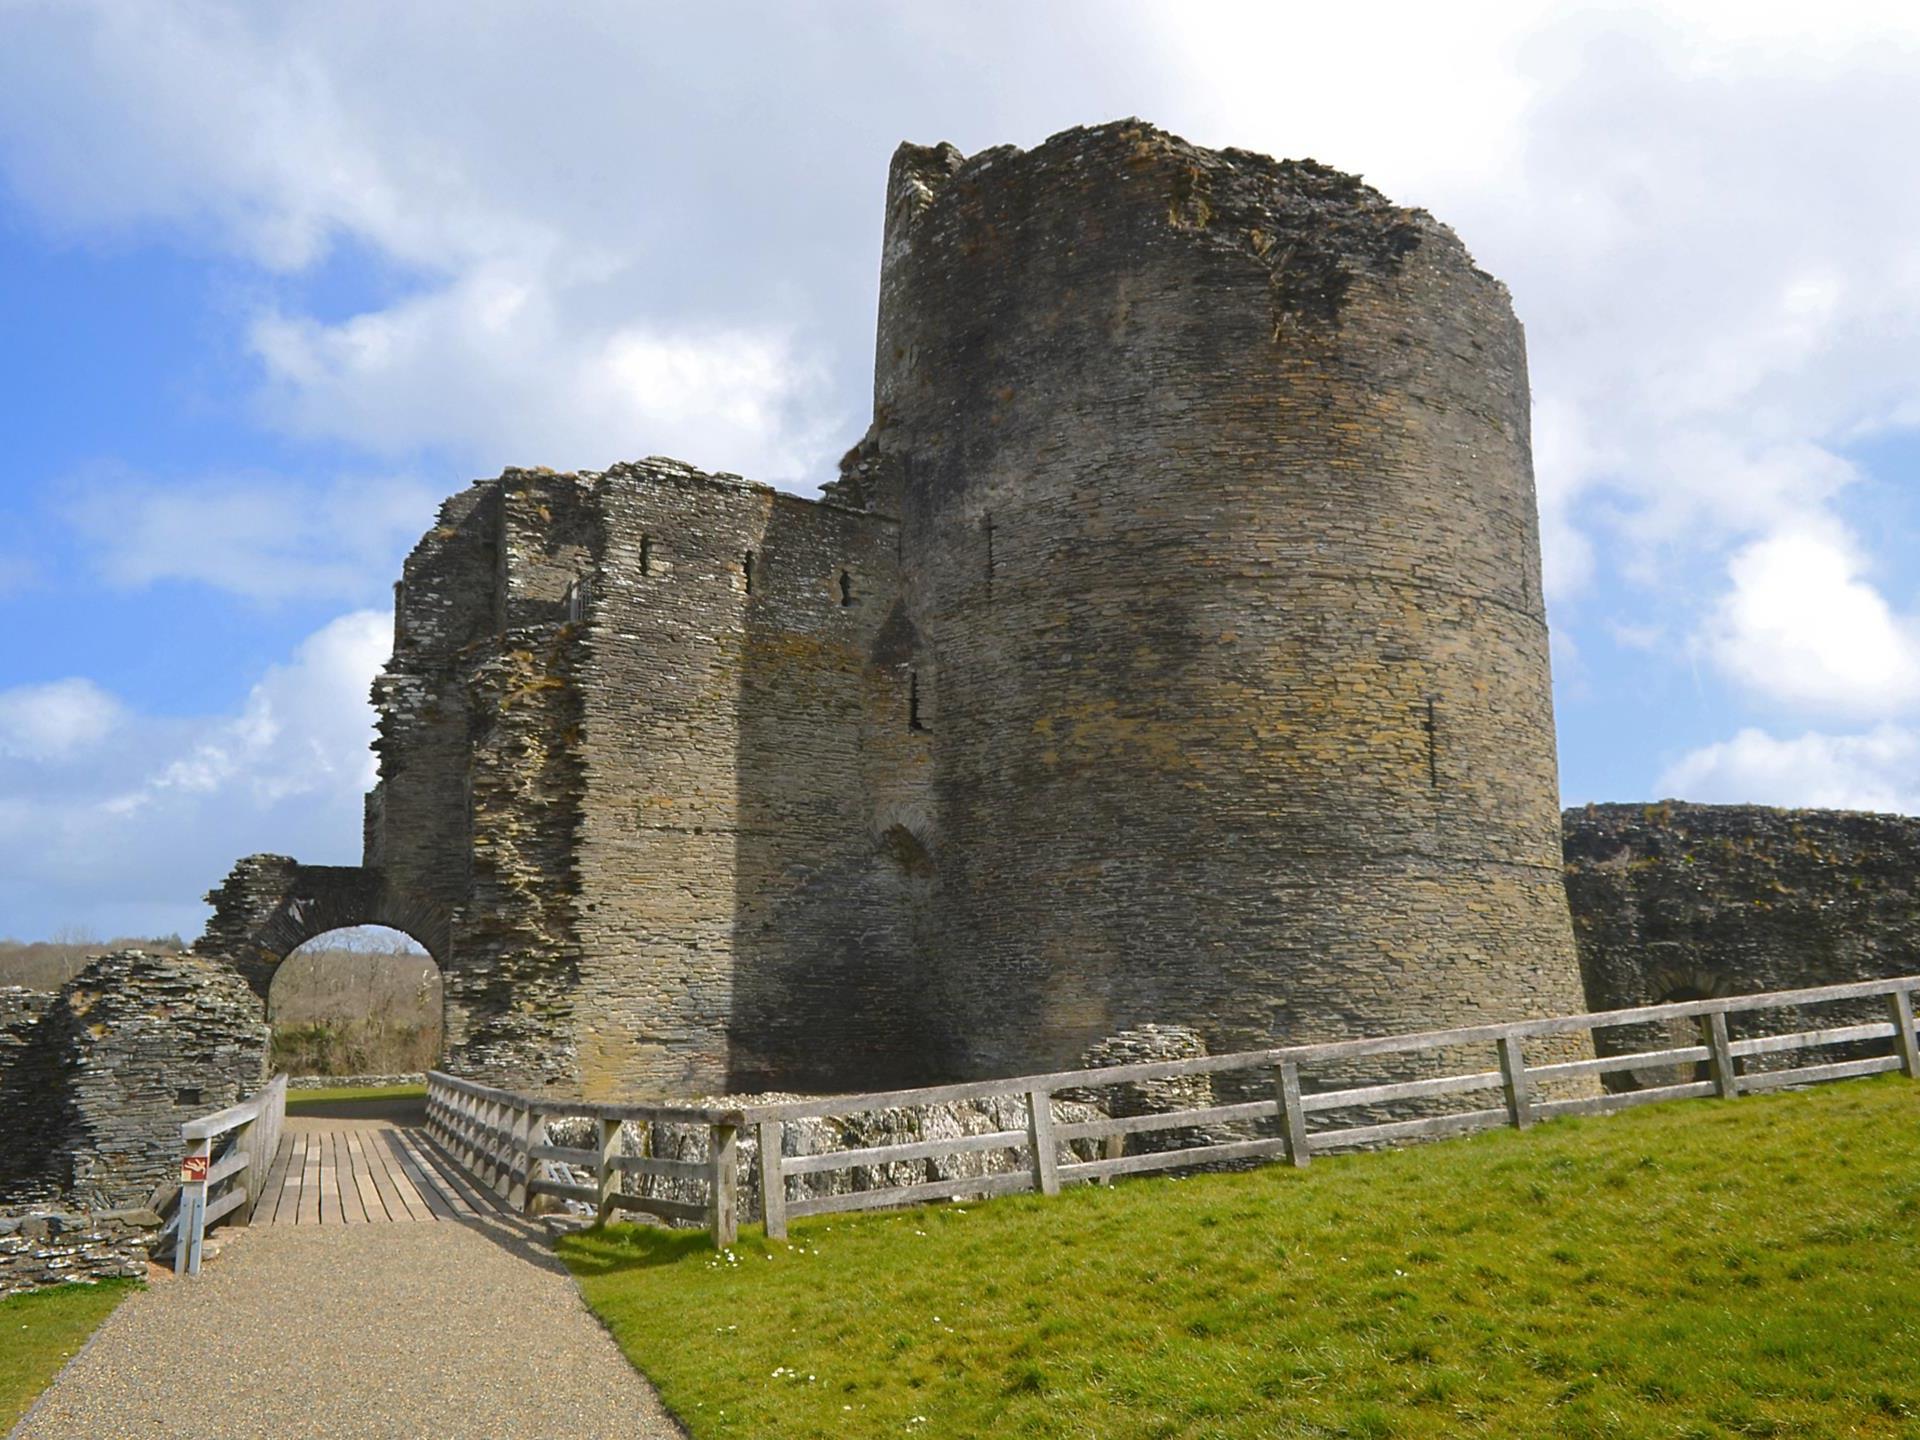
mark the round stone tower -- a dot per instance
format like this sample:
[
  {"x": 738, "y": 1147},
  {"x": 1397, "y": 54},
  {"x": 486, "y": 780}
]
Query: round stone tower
[{"x": 1218, "y": 516}]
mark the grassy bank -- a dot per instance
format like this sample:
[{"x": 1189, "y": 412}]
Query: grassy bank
[
  {"x": 40, "y": 1330},
  {"x": 1698, "y": 1269}
]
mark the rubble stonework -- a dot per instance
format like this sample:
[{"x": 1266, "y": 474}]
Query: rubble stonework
[
  {"x": 57, "y": 1247},
  {"x": 1673, "y": 901},
  {"x": 1171, "y": 651},
  {"x": 104, "y": 1073}
]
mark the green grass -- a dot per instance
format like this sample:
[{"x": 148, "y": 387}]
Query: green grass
[
  {"x": 299, "y": 1099},
  {"x": 1698, "y": 1269},
  {"x": 40, "y": 1330}
]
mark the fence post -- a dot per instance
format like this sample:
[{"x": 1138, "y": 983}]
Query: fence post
[
  {"x": 607, "y": 1172},
  {"x": 1112, "y": 1148},
  {"x": 528, "y": 1131},
  {"x": 1293, "y": 1120},
  {"x": 1719, "y": 1058},
  {"x": 193, "y": 1207},
  {"x": 1046, "y": 1162},
  {"x": 1900, "y": 1006},
  {"x": 1513, "y": 1080},
  {"x": 773, "y": 1185},
  {"x": 723, "y": 1184}
]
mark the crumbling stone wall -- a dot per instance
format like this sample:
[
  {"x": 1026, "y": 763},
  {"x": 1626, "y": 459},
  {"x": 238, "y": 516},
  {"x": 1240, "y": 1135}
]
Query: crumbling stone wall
[
  {"x": 1170, "y": 652},
  {"x": 1678, "y": 902},
  {"x": 1218, "y": 527},
  {"x": 39, "y": 1248},
  {"x": 105, "y": 1072}
]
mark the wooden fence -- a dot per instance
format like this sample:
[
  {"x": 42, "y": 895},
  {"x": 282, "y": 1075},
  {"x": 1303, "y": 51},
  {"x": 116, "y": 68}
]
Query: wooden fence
[
  {"x": 500, "y": 1135},
  {"x": 224, "y": 1168}
]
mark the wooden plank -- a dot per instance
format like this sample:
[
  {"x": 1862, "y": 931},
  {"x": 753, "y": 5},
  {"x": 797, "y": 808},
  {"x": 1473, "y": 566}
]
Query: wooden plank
[
  {"x": 1295, "y": 1143},
  {"x": 1513, "y": 1082},
  {"x": 225, "y": 1205},
  {"x": 207, "y": 1127},
  {"x": 1046, "y": 1162},
  {"x": 308, "y": 1212},
  {"x": 686, "y": 1210},
  {"x": 398, "y": 1188},
  {"x": 585, "y": 1194},
  {"x": 287, "y": 1210},
  {"x": 893, "y": 1154},
  {"x": 1807, "y": 1039},
  {"x": 1900, "y": 1013},
  {"x": 406, "y": 1169},
  {"x": 893, "y": 1197},
  {"x": 773, "y": 1179},
  {"x": 1317, "y": 1100},
  {"x": 1626, "y": 1100},
  {"x": 566, "y": 1154},
  {"x": 1726, "y": 1083},
  {"x": 606, "y": 1171},
  {"x": 1183, "y": 1159},
  {"x": 276, "y": 1186},
  {"x": 1163, "y": 1120},
  {"x": 1463, "y": 1123},
  {"x": 429, "y": 1176},
  {"x": 371, "y": 1203},
  {"x": 664, "y": 1169},
  {"x": 440, "y": 1166},
  {"x": 723, "y": 1186},
  {"x": 373, "y": 1161},
  {"x": 232, "y": 1163},
  {"x": 1568, "y": 1069},
  {"x": 1810, "y": 1074},
  {"x": 352, "y": 1210}
]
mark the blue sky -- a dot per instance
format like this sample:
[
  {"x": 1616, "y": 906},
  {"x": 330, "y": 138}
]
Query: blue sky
[{"x": 275, "y": 279}]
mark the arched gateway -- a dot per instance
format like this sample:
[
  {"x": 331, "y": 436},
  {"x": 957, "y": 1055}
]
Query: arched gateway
[{"x": 270, "y": 905}]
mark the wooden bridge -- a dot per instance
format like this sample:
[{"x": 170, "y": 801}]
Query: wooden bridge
[{"x": 329, "y": 1172}]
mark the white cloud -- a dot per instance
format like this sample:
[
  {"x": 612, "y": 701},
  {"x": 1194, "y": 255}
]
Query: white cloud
[
  {"x": 1802, "y": 626},
  {"x": 261, "y": 536},
  {"x": 497, "y": 365},
  {"x": 55, "y": 721},
  {"x": 127, "y": 842},
  {"x": 1878, "y": 770}
]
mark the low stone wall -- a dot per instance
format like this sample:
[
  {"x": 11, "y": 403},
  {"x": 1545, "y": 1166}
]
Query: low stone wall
[
  {"x": 353, "y": 1082},
  {"x": 57, "y": 1247}
]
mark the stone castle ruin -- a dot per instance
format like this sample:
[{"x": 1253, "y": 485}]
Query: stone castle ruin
[
  {"x": 1166, "y": 671},
  {"x": 1171, "y": 651}
]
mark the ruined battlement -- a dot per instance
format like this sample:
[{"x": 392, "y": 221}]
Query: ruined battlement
[{"x": 1170, "y": 651}]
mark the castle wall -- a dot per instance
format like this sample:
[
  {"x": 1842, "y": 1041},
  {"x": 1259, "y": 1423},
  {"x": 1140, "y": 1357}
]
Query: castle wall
[
  {"x": 1677, "y": 901},
  {"x": 1220, "y": 538},
  {"x": 746, "y": 757}
]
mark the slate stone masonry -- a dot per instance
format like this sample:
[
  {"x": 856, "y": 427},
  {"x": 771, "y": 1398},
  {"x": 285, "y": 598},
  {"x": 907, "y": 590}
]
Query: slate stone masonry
[{"x": 1170, "y": 652}]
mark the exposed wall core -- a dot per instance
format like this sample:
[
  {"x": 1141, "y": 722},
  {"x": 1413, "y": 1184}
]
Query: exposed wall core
[{"x": 1169, "y": 652}]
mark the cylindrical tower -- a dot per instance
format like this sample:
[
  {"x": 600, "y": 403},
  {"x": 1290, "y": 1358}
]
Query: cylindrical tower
[{"x": 1223, "y": 557}]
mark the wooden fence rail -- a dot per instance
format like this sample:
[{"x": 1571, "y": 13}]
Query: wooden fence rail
[
  {"x": 500, "y": 1135},
  {"x": 224, "y": 1168}
]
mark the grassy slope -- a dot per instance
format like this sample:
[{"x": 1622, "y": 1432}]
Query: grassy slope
[
  {"x": 40, "y": 1330},
  {"x": 1697, "y": 1269}
]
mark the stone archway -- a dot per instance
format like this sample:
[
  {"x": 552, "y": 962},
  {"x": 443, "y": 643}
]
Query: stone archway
[{"x": 270, "y": 905}]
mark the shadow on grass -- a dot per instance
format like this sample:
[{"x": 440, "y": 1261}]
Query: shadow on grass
[{"x": 612, "y": 1250}]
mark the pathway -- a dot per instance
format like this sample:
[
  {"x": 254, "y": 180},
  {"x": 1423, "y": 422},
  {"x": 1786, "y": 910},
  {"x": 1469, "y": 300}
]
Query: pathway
[{"x": 463, "y": 1327}]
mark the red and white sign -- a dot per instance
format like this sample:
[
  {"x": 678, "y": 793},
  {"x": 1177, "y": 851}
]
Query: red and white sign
[{"x": 193, "y": 1168}]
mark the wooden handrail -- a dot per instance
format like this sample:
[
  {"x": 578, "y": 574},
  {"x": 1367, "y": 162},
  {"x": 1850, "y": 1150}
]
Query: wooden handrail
[
  {"x": 209, "y": 1190},
  {"x": 501, "y": 1134}
]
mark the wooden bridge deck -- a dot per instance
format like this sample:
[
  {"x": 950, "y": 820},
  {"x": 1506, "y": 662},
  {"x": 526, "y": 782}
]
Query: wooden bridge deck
[{"x": 365, "y": 1175}]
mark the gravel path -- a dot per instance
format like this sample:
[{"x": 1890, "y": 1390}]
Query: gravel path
[{"x": 462, "y": 1329}]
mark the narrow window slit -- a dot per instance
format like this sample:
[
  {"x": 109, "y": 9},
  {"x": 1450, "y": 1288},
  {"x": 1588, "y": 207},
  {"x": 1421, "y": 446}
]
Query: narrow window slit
[
  {"x": 989, "y": 529},
  {"x": 646, "y": 554},
  {"x": 846, "y": 588},
  {"x": 1432, "y": 727},
  {"x": 913, "y": 701},
  {"x": 747, "y": 569}
]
